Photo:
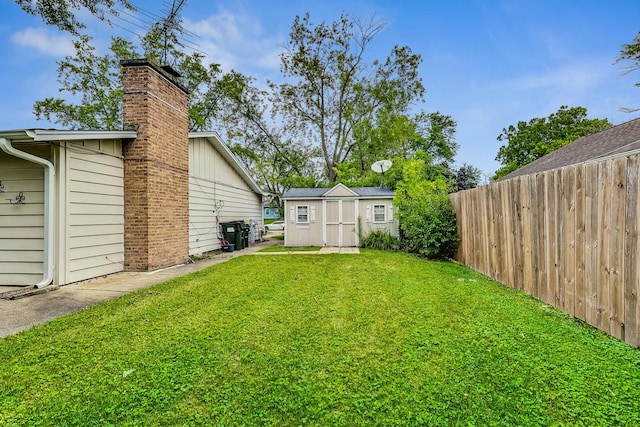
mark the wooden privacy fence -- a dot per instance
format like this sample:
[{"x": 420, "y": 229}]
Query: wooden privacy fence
[{"x": 568, "y": 237}]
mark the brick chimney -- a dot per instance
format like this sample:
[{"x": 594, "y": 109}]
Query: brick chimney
[{"x": 156, "y": 167}]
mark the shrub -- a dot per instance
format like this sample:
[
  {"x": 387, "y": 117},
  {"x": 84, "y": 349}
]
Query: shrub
[
  {"x": 380, "y": 240},
  {"x": 427, "y": 220}
]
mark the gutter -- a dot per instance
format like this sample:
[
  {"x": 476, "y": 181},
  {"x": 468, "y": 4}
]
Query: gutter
[{"x": 49, "y": 183}]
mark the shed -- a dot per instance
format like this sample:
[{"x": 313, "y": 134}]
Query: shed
[{"x": 338, "y": 216}]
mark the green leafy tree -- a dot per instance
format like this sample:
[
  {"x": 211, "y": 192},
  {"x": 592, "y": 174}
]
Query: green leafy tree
[
  {"x": 467, "y": 177},
  {"x": 399, "y": 138},
  {"x": 276, "y": 161},
  {"x": 330, "y": 89},
  {"x": 631, "y": 53},
  {"x": 63, "y": 13},
  {"x": 94, "y": 83},
  {"x": 427, "y": 219},
  {"x": 528, "y": 141}
]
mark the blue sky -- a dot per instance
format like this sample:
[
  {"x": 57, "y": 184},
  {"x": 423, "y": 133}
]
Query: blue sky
[{"x": 488, "y": 64}]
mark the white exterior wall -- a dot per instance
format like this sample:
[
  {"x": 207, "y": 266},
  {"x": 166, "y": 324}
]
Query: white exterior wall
[
  {"x": 22, "y": 225},
  {"x": 90, "y": 220},
  {"x": 211, "y": 180}
]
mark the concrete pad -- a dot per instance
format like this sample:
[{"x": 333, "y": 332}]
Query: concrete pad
[
  {"x": 349, "y": 250},
  {"x": 334, "y": 250}
]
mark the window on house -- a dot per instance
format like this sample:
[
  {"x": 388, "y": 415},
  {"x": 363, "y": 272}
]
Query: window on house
[
  {"x": 379, "y": 213},
  {"x": 303, "y": 214}
]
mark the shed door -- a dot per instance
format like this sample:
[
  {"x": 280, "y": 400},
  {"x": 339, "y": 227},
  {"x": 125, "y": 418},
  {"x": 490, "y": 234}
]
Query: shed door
[{"x": 340, "y": 223}]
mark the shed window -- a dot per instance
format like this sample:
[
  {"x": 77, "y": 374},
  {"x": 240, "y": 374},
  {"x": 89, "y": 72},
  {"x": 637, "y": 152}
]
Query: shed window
[
  {"x": 303, "y": 214},
  {"x": 379, "y": 213}
]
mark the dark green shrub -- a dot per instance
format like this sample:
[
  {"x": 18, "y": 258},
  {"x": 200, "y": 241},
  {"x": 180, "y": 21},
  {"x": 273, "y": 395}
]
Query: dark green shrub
[
  {"x": 380, "y": 240},
  {"x": 427, "y": 219}
]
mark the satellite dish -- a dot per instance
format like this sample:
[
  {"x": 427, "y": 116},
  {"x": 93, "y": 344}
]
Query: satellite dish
[{"x": 381, "y": 166}]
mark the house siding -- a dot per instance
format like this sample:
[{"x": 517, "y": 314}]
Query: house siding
[
  {"x": 95, "y": 210},
  {"x": 22, "y": 225},
  {"x": 211, "y": 180}
]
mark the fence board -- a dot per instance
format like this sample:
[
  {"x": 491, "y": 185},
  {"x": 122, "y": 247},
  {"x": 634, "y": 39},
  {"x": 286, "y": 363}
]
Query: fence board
[
  {"x": 533, "y": 235},
  {"x": 559, "y": 294},
  {"x": 552, "y": 254},
  {"x": 604, "y": 243},
  {"x": 580, "y": 310},
  {"x": 491, "y": 233},
  {"x": 569, "y": 246},
  {"x": 591, "y": 249},
  {"x": 517, "y": 226},
  {"x": 506, "y": 209},
  {"x": 542, "y": 219},
  {"x": 527, "y": 267},
  {"x": 631, "y": 258},
  {"x": 499, "y": 230},
  {"x": 616, "y": 257},
  {"x": 486, "y": 247}
]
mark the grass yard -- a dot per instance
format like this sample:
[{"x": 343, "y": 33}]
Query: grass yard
[{"x": 371, "y": 339}]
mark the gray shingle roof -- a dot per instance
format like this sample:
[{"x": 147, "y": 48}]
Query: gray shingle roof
[
  {"x": 312, "y": 193},
  {"x": 304, "y": 192},
  {"x": 619, "y": 139}
]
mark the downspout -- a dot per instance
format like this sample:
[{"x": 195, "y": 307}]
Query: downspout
[{"x": 49, "y": 183}]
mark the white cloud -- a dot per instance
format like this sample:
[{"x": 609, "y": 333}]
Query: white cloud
[
  {"x": 237, "y": 41},
  {"x": 569, "y": 78},
  {"x": 44, "y": 41}
]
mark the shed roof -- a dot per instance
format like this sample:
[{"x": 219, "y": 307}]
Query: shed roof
[
  {"x": 317, "y": 193},
  {"x": 617, "y": 140}
]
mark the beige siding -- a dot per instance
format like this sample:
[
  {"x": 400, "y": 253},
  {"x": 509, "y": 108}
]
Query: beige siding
[
  {"x": 339, "y": 191},
  {"x": 22, "y": 225},
  {"x": 303, "y": 234},
  {"x": 367, "y": 222},
  {"x": 213, "y": 181},
  {"x": 94, "y": 210}
]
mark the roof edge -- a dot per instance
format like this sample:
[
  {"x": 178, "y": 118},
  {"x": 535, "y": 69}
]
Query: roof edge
[{"x": 43, "y": 135}]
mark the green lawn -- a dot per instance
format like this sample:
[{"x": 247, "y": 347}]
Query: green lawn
[{"x": 371, "y": 339}]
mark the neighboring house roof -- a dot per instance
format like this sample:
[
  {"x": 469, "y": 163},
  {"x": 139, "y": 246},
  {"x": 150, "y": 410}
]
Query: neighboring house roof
[
  {"x": 615, "y": 141},
  {"x": 226, "y": 153},
  {"x": 317, "y": 193}
]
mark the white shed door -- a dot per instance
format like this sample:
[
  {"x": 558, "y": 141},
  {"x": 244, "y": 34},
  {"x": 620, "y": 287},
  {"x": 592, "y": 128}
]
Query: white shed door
[{"x": 340, "y": 223}]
